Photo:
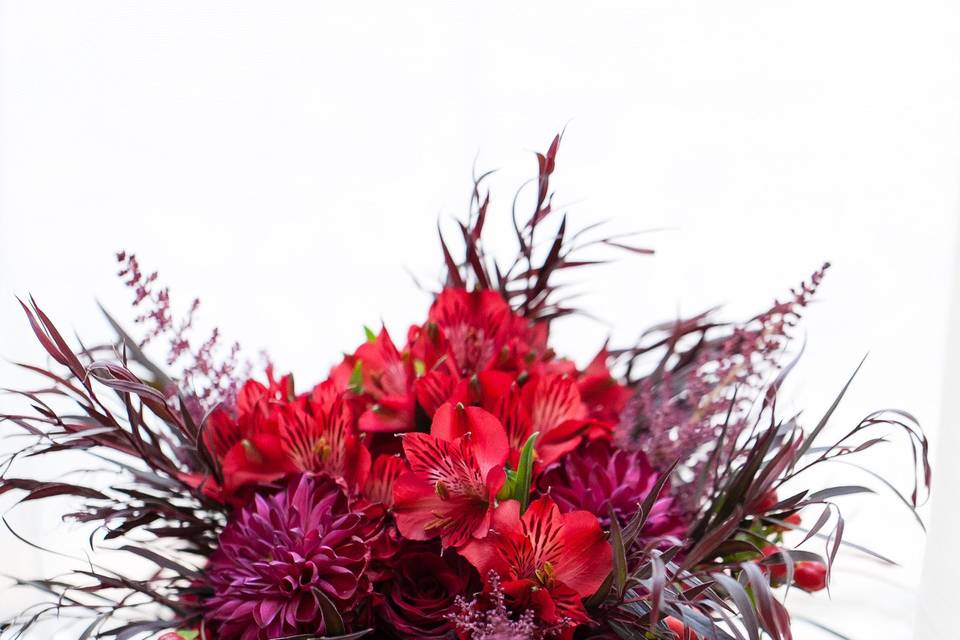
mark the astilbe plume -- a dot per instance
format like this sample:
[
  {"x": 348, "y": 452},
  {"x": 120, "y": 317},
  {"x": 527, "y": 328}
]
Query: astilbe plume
[
  {"x": 488, "y": 618},
  {"x": 206, "y": 375},
  {"x": 286, "y": 561},
  {"x": 695, "y": 394}
]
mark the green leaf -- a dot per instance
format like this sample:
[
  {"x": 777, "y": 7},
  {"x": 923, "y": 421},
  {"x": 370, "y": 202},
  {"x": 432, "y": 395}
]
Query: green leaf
[
  {"x": 506, "y": 491},
  {"x": 356, "y": 378},
  {"x": 371, "y": 336},
  {"x": 524, "y": 476},
  {"x": 189, "y": 635}
]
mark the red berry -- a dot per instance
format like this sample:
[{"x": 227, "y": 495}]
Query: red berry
[
  {"x": 793, "y": 518},
  {"x": 777, "y": 571},
  {"x": 810, "y": 576},
  {"x": 766, "y": 502}
]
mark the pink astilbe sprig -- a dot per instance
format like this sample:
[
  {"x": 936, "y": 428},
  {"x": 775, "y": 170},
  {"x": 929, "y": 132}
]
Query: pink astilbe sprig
[
  {"x": 696, "y": 392},
  {"x": 489, "y": 618},
  {"x": 206, "y": 373}
]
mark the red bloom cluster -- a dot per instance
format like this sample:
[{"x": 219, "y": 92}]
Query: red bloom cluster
[
  {"x": 463, "y": 396},
  {"x": 464, "y": 483}
]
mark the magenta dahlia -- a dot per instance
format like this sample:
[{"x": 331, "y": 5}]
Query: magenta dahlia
[
  {"x": 280, "y": 555},
  {"x": 597, "y": 478}
]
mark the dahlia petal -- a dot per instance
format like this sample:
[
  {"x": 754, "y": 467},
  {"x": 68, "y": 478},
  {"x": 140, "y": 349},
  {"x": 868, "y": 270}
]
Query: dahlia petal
[{"x": 266, "y": 611}]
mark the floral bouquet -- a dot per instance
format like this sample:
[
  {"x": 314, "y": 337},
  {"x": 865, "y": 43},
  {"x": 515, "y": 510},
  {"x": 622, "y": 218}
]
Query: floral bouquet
[{"x": 465, "y": 481}]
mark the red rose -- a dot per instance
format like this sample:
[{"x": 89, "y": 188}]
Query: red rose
[{"x": 421, "y": 590}]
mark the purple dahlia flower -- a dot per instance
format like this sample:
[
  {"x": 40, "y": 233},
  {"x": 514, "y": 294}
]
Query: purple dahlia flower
[
  {"x": 597, "y": 477},
  {"x": 280, "y": 555}
]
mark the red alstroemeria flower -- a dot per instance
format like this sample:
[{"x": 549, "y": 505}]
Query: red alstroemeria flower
[
  {"x": 547, "y": 561},
  {"x": 248, "y": 445},
  {"x": 604, "y": 397},
  {"x": 455, "y": 474},
  {"x": 481, "y": 330},
  {"x": 386, "y": 379},
  {"x": 387, "y": 383},
  {"x": 549, "y": 405},
  {"x": 379, "y": 488},
  {"x": 319, "y": 436}
]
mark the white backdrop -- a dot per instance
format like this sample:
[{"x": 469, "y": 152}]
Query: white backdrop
[{"x": 286, "y": 161}]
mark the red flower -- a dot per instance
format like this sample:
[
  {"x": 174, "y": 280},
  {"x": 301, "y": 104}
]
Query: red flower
[
  {"x": 549, "y": 405},
  {"x": 421, "y": 589},
  {"x": 379, "y": 487},
  {"x": 455, "y": 474},
  {"x": 547, "y": 561},
  {"x": 319, "y": 436},
  {"x": 273, "y": 435},
  {"x": 778, "y": 571},
  {"x": 604, "y": 397},
  {"x": 481, "y": 330},
  {"x": 248, "y": 444},
  {"x": 386, "y": 378}
]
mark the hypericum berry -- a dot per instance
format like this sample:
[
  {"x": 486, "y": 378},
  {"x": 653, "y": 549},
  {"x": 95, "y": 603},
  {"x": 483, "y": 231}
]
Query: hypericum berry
[
  {"x": 777, "y": 571},
  {"x": 810, "y": 576},
  {"x": 765, "y": 502},
  {"x": 793, "y": 519}
]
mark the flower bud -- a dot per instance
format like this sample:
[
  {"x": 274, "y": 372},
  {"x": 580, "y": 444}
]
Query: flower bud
[{"x": 810, "y": 576}]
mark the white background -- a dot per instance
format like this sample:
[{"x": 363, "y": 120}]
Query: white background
[{"x": 286, "y": 161}]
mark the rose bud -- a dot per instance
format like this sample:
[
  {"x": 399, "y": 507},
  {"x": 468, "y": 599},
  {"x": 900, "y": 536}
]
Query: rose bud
[
  {"x": 679, "y": 629},
  {"x": 810, "y": 576}
]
